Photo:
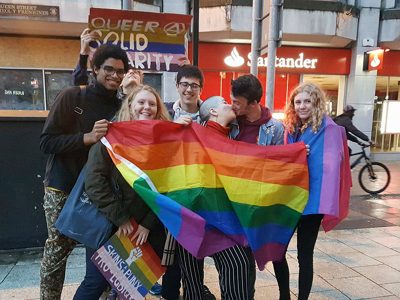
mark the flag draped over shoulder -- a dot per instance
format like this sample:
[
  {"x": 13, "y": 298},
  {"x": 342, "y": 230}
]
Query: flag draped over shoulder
[
  {"x": 329, "y": 168},
  {"x": 212, "y": 192}
]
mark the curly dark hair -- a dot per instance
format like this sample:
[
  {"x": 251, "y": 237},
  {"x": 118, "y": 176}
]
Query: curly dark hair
[
  {"x": 190, "y": 71},
  {"x": 247, "y": 86},
  {"x": 107, "y": 51}
]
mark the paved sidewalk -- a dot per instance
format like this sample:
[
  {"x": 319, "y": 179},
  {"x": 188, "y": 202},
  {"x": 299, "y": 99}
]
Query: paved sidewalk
[{"x": 360, "y": 260}]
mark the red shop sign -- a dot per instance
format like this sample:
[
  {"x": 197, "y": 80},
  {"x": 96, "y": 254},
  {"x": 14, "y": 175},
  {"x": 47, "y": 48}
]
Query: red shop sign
[{"x": 236, "y": 58}]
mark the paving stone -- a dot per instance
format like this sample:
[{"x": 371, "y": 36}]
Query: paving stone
[
  {"x": 355, "y": 259},
  {"x": 393, "y": 287},
  {"x": 328, "y": 295},
  {"x": 388, "y": 241},
  {"x": 379, "y": 274},
  {"x": 265, "y": 278},
  {"x": 20, "y": 294},
  {"x": 75, "y": 275},
  {"x": 319, "y": 284},
  {"x": 4, "y": 271},
  {"x": 359, "y": 288},
  {"x": 333, "y": 270},
  {"x": 331, "y": 246},
  {"x": 7, "y": 258},
  {"x": 30, "y": 257},
  {"x": 76, "y": 261},
  {"x": 370, "y": 248},
  {"x": 392, "y": 261},
  {"x": 22, "y": 276}
]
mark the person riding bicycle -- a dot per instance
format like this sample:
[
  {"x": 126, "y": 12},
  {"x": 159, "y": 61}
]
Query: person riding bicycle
[{"x": 346, "y": 120}]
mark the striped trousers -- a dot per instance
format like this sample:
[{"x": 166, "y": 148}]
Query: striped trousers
[{"x": 235, "y": 267}]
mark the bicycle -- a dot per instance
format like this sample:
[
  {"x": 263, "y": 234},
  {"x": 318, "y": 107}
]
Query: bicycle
[{"x": 374, "y": 177}]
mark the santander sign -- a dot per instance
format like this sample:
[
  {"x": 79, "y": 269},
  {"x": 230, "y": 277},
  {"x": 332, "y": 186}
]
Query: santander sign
[{"x": 299, "y": 62}]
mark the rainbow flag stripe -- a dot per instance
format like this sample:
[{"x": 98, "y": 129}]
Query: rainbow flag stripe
[{"x": 212, "y": 192}]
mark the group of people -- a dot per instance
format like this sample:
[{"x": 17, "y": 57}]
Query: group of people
[{"x": 71, "y": 136}]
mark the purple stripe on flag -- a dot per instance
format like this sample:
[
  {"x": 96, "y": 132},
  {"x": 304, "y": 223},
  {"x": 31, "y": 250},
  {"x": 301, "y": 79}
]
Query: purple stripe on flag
[
  {"x": 269, "y": 252},
  {"x": 331, "y": 171}
]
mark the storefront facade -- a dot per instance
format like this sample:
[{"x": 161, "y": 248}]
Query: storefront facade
[{"x": 325, "y": 66}]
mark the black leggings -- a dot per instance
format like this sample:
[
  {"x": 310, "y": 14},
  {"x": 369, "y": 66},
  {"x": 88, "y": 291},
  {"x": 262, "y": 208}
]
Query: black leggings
[{"x": 307, "y": 233}]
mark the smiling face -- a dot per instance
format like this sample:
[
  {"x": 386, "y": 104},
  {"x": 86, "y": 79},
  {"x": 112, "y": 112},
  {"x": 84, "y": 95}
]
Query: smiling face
[
  {"x": 111, "y": 80},
  {"x": 143, "y": 106},
  {"x": 303, "y": 106},
  {"x": 189, "y": 90}
]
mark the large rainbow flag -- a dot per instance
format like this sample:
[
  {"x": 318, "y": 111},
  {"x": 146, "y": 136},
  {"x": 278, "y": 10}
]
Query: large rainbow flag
[
  {"x": 130, "y": 269},
  {"x": 329, "y": 168},
  {"x": 212, "y": 192}
]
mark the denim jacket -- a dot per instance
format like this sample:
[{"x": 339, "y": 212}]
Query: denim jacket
[{"x": 271, "y": 133}]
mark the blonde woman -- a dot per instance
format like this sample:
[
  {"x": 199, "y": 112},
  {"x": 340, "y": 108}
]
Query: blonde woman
[
  {"x": 307, "y": 121},
  {"x": 109, "y": 191}
]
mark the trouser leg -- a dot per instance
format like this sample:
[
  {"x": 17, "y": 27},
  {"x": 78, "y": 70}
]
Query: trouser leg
[
  {"x": 171, "y": 281},
  {"x": 94, "y": 284},
  {"x": 252, "y": 272},
  {"x": 56, "y": 249},
  {"x": 192, "y": 274},
  {"x": 233, "y": 267},
  {"x": 281, "y": 270},
  {"x": 307, "y": 233}
]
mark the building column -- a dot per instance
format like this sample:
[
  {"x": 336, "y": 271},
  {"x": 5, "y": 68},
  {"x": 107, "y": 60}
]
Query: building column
[{"x": 361, "y": 84}]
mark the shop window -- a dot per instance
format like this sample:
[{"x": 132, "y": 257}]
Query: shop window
[
  {"x": 21, "y": 90},
  {"x": 154, "y": 80},
  {"x": 387, "y": 88},
  {"x": 55, "y": 82},
  {"x": 333, "y": 86}
]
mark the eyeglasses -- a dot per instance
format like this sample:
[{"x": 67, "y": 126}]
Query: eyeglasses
[
  {"x": 111, "y": 71},
  {"x": 194, "y": 86}
]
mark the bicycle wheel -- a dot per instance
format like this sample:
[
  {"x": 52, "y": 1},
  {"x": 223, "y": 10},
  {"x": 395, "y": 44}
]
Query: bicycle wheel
[{"x": 374, "y": 178}]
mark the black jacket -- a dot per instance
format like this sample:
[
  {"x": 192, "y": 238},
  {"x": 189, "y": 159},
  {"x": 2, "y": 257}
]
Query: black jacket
[
  {"x": 351, "y": 131},
  {"x": 116, "y": 199},
  {"x": 62, "y": 137},
  {"x": 109, "y": 191}
]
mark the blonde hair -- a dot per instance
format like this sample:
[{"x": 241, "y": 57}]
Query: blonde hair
[
  {"x": 318, "y": 101},
  {"x": 124, "y": 112}
]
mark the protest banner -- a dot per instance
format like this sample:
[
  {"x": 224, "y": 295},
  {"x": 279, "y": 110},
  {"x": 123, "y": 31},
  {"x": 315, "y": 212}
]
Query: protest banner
[
  {"x": 131, "y": 270},
  {"x": 153, "y": 41}
]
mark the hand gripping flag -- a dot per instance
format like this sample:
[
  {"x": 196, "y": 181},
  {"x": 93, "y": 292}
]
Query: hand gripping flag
[{"x": 212, "y": 192}]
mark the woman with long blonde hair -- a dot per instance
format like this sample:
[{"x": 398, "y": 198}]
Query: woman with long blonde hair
[
  {"x": 113, "y": 196},
  {"x": 329, "y": 179}
]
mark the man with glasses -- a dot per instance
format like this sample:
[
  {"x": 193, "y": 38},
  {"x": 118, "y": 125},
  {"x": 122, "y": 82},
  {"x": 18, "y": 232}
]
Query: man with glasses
[
  {"x": 189, "y": 84},
  {"x": 81, "y": 76},
  {"x": 78, "y": 119}
]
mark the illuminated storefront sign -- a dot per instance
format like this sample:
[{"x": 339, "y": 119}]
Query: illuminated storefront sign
[
  {"x": 373, "y": 60},
  {"x": 299, "y": 62}
]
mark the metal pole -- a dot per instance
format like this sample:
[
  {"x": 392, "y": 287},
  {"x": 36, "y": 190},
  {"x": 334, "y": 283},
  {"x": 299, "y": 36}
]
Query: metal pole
[
  {"x": 126, "y": 4},
  {"x": 256, "y": 35},
  {"x": 195, "y": 41},
  {"x": 272, "y": 45}
]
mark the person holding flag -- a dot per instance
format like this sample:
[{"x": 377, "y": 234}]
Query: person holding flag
[{"x": 329, "y": 176}]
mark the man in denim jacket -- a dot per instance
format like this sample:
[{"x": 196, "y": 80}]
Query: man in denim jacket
[
  {"x": 254, "y": 125},
  {"x": 254, "y": 121}
]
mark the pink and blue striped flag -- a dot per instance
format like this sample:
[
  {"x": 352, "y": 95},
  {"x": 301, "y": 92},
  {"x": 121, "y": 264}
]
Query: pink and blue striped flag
[{"x": 329, "y": 168}]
